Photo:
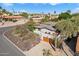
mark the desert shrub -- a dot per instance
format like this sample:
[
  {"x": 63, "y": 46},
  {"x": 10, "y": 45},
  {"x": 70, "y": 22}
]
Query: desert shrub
[
  {"x": 46, "y": 52},
  {"x": 31, "y": 27},
  {"x": 14, "y": 20}
]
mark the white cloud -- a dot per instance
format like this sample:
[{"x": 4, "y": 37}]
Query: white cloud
[
  {"x": 76, "y": 10},
  {"x": 54, "y": 4},
  {"x": 23, "y": 10},
  {"x": 8, "y": 4}
]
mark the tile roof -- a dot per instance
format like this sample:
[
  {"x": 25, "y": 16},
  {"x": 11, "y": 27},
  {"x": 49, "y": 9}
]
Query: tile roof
[{"x": 11, "y": 17}]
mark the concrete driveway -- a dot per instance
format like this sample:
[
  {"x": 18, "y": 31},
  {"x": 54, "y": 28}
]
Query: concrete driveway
[{"x": 38, "y": 50}]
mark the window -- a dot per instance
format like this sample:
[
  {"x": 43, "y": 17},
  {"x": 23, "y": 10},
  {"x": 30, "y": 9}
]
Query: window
[{"x": 49, "y": 33}]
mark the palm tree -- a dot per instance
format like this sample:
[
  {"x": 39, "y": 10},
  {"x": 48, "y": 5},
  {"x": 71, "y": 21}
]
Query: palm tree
[
  {"x": 68, "y": 11},
  {"x": 54, "y": 12},
  {"x": 0, "y": 7},
  {"x": 24, "y": 14},
  {"x": 3, "y": 11},
  {"x": 0, "y": 10}
]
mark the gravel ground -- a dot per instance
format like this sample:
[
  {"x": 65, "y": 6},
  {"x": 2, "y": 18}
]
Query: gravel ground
[{"x": 22, "y": 44}]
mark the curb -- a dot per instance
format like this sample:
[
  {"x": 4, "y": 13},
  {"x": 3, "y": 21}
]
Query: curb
[{"x": 13, "y": 44}]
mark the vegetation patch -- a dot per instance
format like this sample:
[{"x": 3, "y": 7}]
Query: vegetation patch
[{"x": 22, "y": 37}]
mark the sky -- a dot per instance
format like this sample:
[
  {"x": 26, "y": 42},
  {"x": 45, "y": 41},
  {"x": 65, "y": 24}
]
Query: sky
[{"x": 41, "y": 7}]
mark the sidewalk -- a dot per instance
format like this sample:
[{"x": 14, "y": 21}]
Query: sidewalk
[{"x": 37, "y": 50}]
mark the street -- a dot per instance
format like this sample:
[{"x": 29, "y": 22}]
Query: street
[{"x": 6, "y": 48}]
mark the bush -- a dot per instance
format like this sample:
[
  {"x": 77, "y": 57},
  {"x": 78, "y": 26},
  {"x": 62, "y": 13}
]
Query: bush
[
  {"x": 5, "y": 20},
  {"x": 55, "y": 20},
  {"x": 46, "y": 52},
  {"x": 0, "y": 20},
  {"x": 10, "y": 19},
  {"x": 46, "y": 19},
  {"x": 31, "y": 27},
  {"x": 14, "y": 20}
]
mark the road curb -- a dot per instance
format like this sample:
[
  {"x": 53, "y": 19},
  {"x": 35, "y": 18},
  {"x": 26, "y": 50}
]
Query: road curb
[{"x": 13, "y": 44}]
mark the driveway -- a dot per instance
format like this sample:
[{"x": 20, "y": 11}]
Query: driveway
[{"x": 38, "y": 50}]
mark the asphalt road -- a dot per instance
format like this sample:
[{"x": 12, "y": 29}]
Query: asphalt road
[{"x": 6, "y": 48}]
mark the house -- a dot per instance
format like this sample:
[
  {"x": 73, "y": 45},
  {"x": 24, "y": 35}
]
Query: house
[
  {"x": 37, "y": 18},
  {"x": 46, "y": 32},
  {"x": 11, "y": 17}
]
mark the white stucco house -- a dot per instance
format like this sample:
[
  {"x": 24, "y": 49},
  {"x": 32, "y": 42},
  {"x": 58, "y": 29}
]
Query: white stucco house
[{"x": 45, "y": 31}]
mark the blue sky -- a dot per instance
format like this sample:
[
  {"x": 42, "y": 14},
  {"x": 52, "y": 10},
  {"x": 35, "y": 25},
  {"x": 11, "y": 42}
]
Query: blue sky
[{"x": 41, "y": 7}]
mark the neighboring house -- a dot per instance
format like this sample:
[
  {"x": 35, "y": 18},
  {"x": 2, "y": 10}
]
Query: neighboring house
[
  {"x": 12, "y": 17},
  {"x": 46, "y": 32},
  {"x": 37, "y": 18},
  {"x": 54, "y": 16}
]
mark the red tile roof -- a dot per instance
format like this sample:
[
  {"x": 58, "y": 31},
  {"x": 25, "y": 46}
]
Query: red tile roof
[{"x": 11, "y": 17}]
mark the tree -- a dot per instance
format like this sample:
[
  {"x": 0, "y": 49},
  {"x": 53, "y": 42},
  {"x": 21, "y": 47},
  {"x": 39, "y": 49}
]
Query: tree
[
  {"x": 67, "y": 28},
  {"x": 24, "y": 15},
  {"x": 9, "y": 13},
  {"x": 0, "y": 10},
  {"x": 68, "y": 11},
  {"x": 46, "y": 18},
  {"x": 30, "y": 25},
  {"x": 75, "y": 20},
  {"x": 54, "y": 12},
  {"x": 4, "y": 11},
  {"x": 65, "y": 15},
  {"x": 0, "y": 7}
]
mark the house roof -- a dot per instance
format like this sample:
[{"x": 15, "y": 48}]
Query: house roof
[
  {"x": 50, "y": 23},
  {"x": 11, "y": 17},
  {"x": 43, "y": 26}
]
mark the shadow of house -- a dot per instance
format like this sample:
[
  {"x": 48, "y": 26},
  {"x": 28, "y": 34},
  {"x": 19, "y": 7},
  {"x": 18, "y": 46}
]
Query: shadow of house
[{"x": 71, "y": 42}]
